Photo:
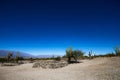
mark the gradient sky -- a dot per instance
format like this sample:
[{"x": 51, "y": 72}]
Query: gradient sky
[{"x": 50, "y": 26}]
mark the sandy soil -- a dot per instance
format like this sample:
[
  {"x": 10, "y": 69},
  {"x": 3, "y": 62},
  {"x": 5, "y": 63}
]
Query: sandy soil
[{"x": 96, "y": 69}]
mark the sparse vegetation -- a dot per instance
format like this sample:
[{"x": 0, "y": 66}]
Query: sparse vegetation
[
  {"x": 73, "y": 54},
  {"x": 105, "y": 55}
]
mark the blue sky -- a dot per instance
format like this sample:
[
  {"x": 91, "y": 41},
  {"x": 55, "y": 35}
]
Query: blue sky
[{"x": 49, "y": 27}]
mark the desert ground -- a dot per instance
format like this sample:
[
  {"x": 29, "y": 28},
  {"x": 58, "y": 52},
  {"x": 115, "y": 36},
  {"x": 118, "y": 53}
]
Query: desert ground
[{"x": 95, "y": 69}]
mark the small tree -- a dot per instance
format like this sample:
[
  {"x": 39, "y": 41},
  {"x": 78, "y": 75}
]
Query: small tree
[
  {"x": 117, "y": 51},
  {"x": 73, "y": 54}
]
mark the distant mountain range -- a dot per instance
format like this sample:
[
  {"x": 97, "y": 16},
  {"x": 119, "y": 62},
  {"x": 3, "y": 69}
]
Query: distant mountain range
[{"x": 3, "y": 53}]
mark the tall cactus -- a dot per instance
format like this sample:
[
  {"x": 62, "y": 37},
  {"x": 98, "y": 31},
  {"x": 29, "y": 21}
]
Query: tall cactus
[
  {"x": 90, "y": 54},
  {"x": 69, "y": 53},
  {"x": 117, "y": 51}
]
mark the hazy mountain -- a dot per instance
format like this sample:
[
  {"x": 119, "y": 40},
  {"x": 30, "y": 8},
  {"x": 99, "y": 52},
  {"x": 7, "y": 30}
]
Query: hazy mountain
[{"x": 3, "y": 53}]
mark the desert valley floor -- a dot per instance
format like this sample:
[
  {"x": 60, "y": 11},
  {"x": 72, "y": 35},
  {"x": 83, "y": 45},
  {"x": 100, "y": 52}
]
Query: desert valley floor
[{"x": 95, "y": 69}]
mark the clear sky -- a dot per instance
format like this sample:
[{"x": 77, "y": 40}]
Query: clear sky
[{"x": 50, "y": 26}]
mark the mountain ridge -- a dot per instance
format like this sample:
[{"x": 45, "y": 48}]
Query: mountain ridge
[{"x": 3, "y": 53}]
